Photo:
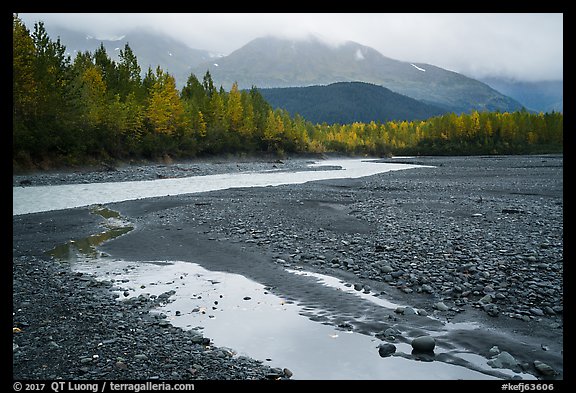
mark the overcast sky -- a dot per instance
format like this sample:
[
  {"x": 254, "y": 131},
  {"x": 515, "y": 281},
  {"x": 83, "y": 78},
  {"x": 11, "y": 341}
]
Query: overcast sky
[{"x": 522, "y": 46}]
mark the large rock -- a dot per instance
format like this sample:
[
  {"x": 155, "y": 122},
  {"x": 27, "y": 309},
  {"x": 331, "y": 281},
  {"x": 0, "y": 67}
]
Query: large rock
[{"x": 424, "y": 344}]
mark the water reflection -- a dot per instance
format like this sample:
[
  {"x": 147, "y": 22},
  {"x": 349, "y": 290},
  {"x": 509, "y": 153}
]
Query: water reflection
[
  {"x": 86, "y": 247},
  {"x": 238, "y": 313}
]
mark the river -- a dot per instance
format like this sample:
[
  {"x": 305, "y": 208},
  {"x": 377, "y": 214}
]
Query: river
[{"x": 56, "y": 197}]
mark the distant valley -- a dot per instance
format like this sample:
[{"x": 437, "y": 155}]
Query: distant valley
[{"x": 539, "y": 96}]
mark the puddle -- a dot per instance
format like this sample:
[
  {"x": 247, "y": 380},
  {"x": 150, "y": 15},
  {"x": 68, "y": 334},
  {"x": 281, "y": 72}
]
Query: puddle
[
  {"x": 87, "y": 246},
  {"x": 248, "y": 318},
  {"x": 243, "y": 315}
]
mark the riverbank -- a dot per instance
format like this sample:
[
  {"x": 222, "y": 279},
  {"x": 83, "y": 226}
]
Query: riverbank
[
  {"x": 146, "y": 170},
  {"x": 473, "y": 239}
]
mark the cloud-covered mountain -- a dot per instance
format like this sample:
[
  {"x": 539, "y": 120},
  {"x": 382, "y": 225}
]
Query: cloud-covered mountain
[
  {"x": 275, "y": 62},
  {"x": 151, "y": 48}
]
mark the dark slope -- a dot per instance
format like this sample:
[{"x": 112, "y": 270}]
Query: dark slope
[{"x": 348, "y": 102}]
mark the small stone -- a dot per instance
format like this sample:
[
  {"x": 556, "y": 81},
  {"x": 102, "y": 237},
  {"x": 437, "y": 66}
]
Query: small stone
[
  {"x": 486, "y": 299},
  {"x": 386, "y": 349},
  {"x": 504, "y": 360},
  {"x": 494, "y": 351},
  {"x": 544, "y": 369},
  {"x": 287, "y": 373},
  {"x": 537, "y": 311},
  {"x": 391, "y": 332},
  {"x": 121, "y": 365},
  {"x": 441, "y": 306},
  {"x": 491, "y": 309},
  {"x": 409, "y": 311},
  {"x": 275, "y": 373},
  {"x": 141, "y": 356},
  {"x": 488, "y": 289},
  {"x": 247, "y": 298}
]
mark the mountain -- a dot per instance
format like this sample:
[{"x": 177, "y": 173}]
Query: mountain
[
  {"x": 275, "y": 62},
  {"x": 540, "y": 96},
  {"x": 348, "y": 102},
  {"x": 151, "y": 48}
]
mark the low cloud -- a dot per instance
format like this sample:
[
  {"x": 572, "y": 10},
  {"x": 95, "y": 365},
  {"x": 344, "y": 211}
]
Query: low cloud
[{"x": 518, "y": 46}]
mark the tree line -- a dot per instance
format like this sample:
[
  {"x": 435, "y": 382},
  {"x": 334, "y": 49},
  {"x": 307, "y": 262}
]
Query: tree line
[{"x": 92, "y": 108}]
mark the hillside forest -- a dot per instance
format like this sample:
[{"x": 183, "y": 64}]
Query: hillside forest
[{"x": 93, "y": 109}]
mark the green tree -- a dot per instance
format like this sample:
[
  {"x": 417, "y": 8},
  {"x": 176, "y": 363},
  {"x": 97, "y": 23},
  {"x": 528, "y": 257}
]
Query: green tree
[
  {"x": 24, "y": 88},
  {"x": 54, "y": 114},
  {"x": 194, "y": 94},
  {"x": 108, "y": 68},
  {"x": 208, "y": 84},
  {"x": 128, "y": 71}
]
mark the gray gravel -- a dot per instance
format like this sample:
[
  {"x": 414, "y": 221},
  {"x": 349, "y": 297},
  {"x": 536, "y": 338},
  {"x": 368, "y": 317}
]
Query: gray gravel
[
  {"x": 70, "y": 327},
  {"x": 473, "y": 239}
]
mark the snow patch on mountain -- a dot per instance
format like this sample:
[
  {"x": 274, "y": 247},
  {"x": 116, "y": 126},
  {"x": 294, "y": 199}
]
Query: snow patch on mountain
[
  {"x": 105, "y": 37},
  {"x": 359, "y": 55},
  {"x": 418, "y": 68}
]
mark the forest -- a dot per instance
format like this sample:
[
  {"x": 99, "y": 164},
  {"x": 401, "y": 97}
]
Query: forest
[{"x": 91, "y": 109}]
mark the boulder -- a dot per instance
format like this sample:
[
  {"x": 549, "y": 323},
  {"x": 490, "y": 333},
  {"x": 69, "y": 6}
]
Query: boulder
[{"x": 424, "y": 344}]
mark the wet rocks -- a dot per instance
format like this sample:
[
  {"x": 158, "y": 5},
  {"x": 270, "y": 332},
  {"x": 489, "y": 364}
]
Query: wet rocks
[
  {"x": 390, "y": 334},
  {"x": 504, "y": 360}
]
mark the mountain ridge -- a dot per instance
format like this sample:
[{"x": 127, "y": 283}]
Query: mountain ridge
[
  {"x": 348, "y": 102},
  {"x": 275, "y": 62}
]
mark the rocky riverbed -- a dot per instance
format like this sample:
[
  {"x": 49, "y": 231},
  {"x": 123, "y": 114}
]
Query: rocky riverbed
[{"x": 473, "y": 239}]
